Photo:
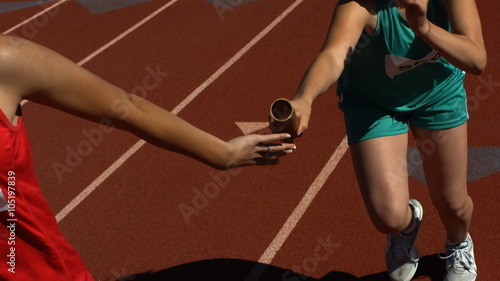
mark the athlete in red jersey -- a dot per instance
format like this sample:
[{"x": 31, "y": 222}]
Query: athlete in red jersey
[{"x": 31, "y": 245}]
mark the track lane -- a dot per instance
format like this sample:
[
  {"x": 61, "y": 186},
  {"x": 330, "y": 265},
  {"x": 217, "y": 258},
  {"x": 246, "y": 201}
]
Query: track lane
[
  {"x": 63, "y": 161},
  {"x": 338, "y": 210},
  {"x": 132, "y": 207},
  {"x": 79, "y": 31},
  {"x": 131, "y": 182},
  {"x": 16, "y": 19}
]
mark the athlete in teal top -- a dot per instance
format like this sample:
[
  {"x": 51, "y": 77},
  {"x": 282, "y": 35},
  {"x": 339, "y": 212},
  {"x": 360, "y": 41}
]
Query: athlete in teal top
[
  {"x": 394, "y": 69},
  {"x": 399, "y": 66}
]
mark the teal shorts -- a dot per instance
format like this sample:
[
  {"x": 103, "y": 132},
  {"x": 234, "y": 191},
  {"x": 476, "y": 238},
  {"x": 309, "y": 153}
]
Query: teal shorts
[{"x": 365, "y": 119}]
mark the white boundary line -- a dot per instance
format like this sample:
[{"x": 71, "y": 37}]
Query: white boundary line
[
  {"x": 236, "y": 57},
  {"x": 89, "y": 189},
  {"x": 111, "y": 169},
  {"x": 119, "y": 37},
  {"x": 127, "y": 32},
  {"x": 304, "y": 203},
  {"x": 34, "y": 16}
]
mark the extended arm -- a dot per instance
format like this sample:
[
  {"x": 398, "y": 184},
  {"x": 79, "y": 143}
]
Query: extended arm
[
  {"x": 33, "y": 72},
  {"x": 349, "y": 21}
]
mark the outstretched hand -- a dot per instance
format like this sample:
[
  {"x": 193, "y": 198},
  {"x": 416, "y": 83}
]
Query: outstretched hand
[{"x": 256, "y": 149}]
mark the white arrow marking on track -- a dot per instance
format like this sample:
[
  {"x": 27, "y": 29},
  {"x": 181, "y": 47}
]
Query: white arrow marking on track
[{"x": 251, "y": 127}]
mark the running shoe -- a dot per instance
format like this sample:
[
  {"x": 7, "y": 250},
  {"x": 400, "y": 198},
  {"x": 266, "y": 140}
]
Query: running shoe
[
  {"x": 401, "y": 253},
  {"x": 460, "y": 262}
]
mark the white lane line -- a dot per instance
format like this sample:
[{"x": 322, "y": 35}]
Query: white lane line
[
  {"x": 119, "y": 37},
  {"x": 89, "y": 189},
  {"x": 236, "y": 57},
  {"x": 304, "y": 203},
  {"x": 34, "y": 16},
  {"x": 111, "y": 169},
  {"x": 127, "y": 32}
]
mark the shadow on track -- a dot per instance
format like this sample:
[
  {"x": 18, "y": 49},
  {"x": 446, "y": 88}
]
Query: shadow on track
[{"x": 430, "y": 266}]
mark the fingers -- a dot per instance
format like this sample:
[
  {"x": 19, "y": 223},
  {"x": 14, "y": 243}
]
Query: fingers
[
  {"x": 269, "y": 153},
  {"x": 303, "y": 125},
  {"x": 264, "y": 158},
  {"x": 303, "y": 112},
  {"x": 272, "y": 138},
  {"x": 270, "y": 150}
]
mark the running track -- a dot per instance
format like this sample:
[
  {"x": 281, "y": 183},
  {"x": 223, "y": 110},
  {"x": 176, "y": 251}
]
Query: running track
[{"x": 119, "y": 200}]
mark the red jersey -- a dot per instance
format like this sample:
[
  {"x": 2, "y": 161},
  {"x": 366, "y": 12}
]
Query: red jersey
[{"x": 31, "y": 244}]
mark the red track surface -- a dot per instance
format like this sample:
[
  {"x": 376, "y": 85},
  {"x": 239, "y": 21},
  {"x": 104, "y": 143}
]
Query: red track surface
[{"x": 132, "y": 223}]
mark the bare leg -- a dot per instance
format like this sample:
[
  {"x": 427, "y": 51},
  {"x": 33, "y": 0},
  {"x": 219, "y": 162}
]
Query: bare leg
[
  {"x": 381, "y": 169},
  {"x": 444, "y": 155}
]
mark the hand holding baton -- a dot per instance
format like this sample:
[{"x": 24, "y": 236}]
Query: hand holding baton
[{"x": 282, "y": 118}]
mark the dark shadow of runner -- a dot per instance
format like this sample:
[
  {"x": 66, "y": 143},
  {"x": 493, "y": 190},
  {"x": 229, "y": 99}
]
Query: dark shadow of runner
[{"x": 242, "y": 270}]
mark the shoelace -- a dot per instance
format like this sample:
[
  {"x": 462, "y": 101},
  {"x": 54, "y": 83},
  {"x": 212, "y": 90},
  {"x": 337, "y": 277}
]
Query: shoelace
[
  {"x": 401, "y": 245},
  {"x": 459, "y": 259}
]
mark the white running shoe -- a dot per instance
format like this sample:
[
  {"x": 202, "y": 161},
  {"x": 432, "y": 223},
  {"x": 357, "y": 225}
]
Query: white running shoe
[
  {"x": 460, "y": 262},
  {"x": 401, "y": 253}
]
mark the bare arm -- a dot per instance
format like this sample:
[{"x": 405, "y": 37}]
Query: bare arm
[
  {"x": 464, "y": 46},
  {"x": 30, "y": 71},
  {"x": 349, "y": 21}
]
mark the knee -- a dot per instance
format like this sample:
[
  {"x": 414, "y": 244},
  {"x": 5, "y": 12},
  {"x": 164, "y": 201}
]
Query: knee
[
  {"x": 458, "y": 206},
  {"x": 392, "y": 218}
]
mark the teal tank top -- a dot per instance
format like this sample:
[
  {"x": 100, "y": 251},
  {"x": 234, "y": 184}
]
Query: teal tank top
[{"x": 397, "y": 70}]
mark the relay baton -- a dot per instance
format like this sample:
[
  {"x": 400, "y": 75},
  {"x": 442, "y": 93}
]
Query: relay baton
[{"x": 282, "y": 118}]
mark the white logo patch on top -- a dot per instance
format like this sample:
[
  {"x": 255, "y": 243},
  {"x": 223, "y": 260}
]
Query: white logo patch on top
[{"x": 395, "y": 65}]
